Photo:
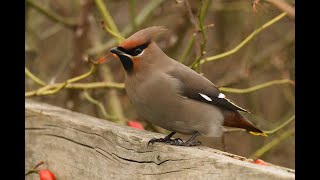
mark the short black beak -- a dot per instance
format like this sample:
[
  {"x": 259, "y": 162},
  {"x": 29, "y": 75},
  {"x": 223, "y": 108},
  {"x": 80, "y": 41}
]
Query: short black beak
[{"x": 116, "y": 51}]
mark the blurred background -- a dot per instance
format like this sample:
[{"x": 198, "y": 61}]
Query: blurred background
[{"x": 62, "y": 35}]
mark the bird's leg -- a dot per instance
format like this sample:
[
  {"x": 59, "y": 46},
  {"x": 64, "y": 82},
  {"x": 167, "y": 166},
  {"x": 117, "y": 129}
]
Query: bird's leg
[
  {"x": 167, "y": 139},
  {"x": 191, "y": 141}
]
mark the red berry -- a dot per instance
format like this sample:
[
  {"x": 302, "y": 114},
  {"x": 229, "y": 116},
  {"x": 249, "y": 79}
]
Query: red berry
[
  {"x": 261, "y": 162},
  {"x": 135, "y": 124},
  {"x": 46, "y": 175}
]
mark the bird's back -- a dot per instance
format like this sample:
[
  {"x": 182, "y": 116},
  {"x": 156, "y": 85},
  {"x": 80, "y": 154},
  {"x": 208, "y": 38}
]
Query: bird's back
[{"x": 157, "y": 97}]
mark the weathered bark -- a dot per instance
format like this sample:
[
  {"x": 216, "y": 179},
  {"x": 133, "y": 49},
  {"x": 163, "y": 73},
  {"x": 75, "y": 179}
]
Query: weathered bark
[{"x": 76, "y": 146}]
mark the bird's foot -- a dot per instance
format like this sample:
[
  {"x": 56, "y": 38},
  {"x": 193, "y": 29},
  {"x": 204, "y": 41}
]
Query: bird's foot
[{"x": 175, "y": 141}]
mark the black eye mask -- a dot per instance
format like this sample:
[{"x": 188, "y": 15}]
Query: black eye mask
[{"x": 134, "y": 51}]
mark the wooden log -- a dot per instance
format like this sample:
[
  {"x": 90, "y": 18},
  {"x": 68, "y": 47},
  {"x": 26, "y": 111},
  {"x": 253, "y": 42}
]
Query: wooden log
[{"x": 76, "y": 146}]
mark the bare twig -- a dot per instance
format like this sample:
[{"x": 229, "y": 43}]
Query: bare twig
[
  {"x": 33, "y": 77},
  {"x": 261, "y": 151},
  {"x": 132, "y": 5},
  {"x": 34, "y": 169},
  {"x": 257, "y": 87},
  {"x": 93, "y": 68},
  {"x": 245, "y": 41},
  {"x": 95, "y": 85},
  {"x": 100, "y": 105},
  {"x": 280, "y": 4},
  {"x": 114, "y": 34},
  {"x": 53, "y": 91},
  {"x": 202, "y": 14},
  {"x": 283, "y": 6},
  {"x": 198, "y": 23},
  {"x": 54, "y": 88},
  {"x": 281, "y": 126},
  {"x": 193, "y": 19},
  {"x": 80, "y": 43},
  {"x": 188, "y": 49},
  {"x": 140, "y": 19},
  {"x": 110, "y": 26},
  {"x": 229, "y": 130},
  {"x": 114, "y": 104},
  {"x": 51, "y": 15}
]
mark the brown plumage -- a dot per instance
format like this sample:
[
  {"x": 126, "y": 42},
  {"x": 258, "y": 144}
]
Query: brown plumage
[
  {"x": 172, "y": 95},
  {"x": 142, "y": 36}
]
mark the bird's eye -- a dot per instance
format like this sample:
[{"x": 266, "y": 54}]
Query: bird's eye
[{"x": 138, "y": 51}]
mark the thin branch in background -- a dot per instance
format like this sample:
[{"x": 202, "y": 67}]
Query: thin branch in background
[
  {"x": 92, "y": 85},
  {"x": 95, "y": 85},
  {"x": 229, "y": 130},
  {"x": 52, "y": 91},
  {"x": 54, "y": 88},
  {"x": 202, "y": 14},
  {"x": 245, "y": 41},
  {"x": 132, "y": 11},
  {"x": 198, "y": 23},
  {"x": 110, "y": 26},
  {"x": 194, "y": 22},
  {"x": 120, "y": 86},
  {"x": 140, "y": 20},
  {"x": 255, "y": 4},
  {"x": 106, "y": 28},
  {"x": 50, "y": 31},
  {"x": 33, "y": 77},
  {"x": 280, "y": 4},
  {"x": 281, "y": 126},
  {"x": 51, "y": 15},
  {"x": 93, "y": 68},
  {"x": 267, "y": 147},
  {"x": 187, "y": 49},
  {"x": 274, "y": 47},
  {"x": 100, "y": 106},
  {"x": 257, "y": 87},
  {"x": 192, "y": 18},
  {"x": 112, "y": 98},
  {"x": 80, "y": 43}
]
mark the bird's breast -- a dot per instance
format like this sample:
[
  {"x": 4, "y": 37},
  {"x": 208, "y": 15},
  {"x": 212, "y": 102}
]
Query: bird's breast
[{"x": 157, "y": 99}]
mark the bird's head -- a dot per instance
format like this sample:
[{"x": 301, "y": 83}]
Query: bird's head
[{"x": 139, "y": 49}]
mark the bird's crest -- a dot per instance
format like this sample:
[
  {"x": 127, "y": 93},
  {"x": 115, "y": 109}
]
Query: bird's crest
[{"x": 142, "y": 36}]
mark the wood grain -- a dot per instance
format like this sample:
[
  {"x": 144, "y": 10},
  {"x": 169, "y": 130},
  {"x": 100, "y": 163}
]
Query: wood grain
[{"x": 76, "y": 146}]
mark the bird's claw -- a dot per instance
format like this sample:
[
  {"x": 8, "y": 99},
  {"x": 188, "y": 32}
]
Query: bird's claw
[{"x": 176, "y": 141}]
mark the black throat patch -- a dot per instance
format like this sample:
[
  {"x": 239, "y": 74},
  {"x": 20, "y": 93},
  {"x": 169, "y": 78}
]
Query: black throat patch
[
  {"x": 125, "y": 60},
  {"x": 126, "y": 63}
]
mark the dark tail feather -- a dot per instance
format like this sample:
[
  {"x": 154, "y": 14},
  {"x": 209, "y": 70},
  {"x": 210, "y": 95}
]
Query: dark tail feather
[{"x": 235, "y": 119}]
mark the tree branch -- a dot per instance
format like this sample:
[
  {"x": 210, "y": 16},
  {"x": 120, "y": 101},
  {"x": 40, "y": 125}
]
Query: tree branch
[
  {"x": 245, "y": 41},
  {"x": 33, "y": 77},
  {"x": 51, "y": 15},
  {"x": 267, "y": 147},
  {"x": 257, "y": 87},
  {"x": 110, "y": 26},
  {"x": 140, "y": 19},
  {"x": 100, "y": 106},
  {"x": 281, "y": 126}
]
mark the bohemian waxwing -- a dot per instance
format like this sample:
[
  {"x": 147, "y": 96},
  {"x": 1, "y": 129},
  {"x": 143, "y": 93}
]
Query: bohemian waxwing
[{"x": 173, "y": 96}]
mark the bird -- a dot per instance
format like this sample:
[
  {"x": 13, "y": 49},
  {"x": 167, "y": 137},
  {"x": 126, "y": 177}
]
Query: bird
[{"x": 173, "y": 96}]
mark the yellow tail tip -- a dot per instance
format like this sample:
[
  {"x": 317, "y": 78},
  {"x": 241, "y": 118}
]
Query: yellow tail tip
[{"x": 258, "y": 134}]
